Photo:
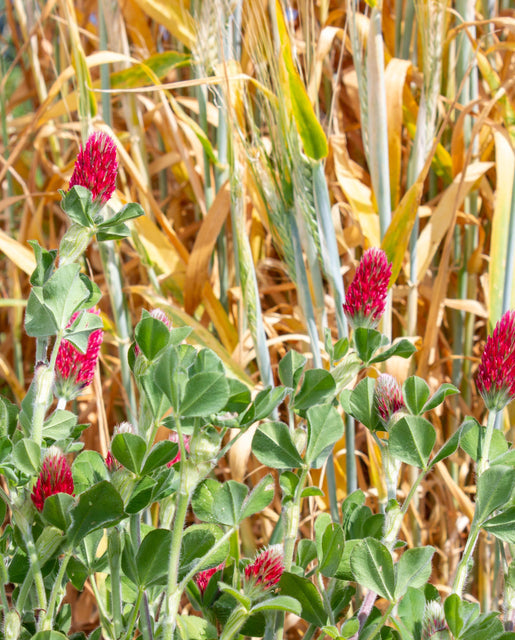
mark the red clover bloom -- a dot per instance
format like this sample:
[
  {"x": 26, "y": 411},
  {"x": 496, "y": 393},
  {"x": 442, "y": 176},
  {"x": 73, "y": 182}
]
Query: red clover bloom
[
  {"x": 203, "y": 577},
  {"x": 387, "y": 397},
  {"x": 366, "y": 295},
  {"x": 265, "y": 572},
  {"x": 55, "y": 477},
  {"x": 96, "y": 167},
  {"x": 75, "y": 370},
  {"x": 495, "y": 378}
]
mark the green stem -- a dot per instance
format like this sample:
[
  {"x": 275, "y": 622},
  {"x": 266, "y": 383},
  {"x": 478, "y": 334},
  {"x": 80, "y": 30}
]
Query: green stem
[
  {"x": 325, "y": 596},
  {"x": 48, "y": 618},
  {"x": 173, "y": 593},
  {"x": 234, "y": 623},
  {"x": 219, "y": 543},
  {"x": 464, "y": 565},
  {"x": 292, "y": 513},
  {"x": 377, "y": 627},
  {"x": 44, "y": 383},
  {"x": 114, "y": 551},
  {"x": 483, "y": 461},
  {"x": 107, "y": 625},
  {"x": 36, "y": 571},
  {"x": 134, "y": 615}
]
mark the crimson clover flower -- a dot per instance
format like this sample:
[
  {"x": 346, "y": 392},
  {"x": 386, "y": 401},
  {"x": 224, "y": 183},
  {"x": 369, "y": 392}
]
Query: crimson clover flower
[
  {"x": 174, "y": 437},
  {"x": 387, "y": 397},
  {"x": 96, "y": 167},
  {"x": 495, "y": 378},
  {"x": 203, "y": 577},
  {"x": 75, "y": 370},
  {"x": 434, "y": 625},
  {"x": 55, "y": 477},
  {"x": 365, "y": 300},
  {"x": 265, "y": 571}
]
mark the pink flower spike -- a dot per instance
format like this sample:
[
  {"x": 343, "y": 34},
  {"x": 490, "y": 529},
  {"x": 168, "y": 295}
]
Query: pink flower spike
[
  {"x": 265, "y": 572},
  {"x": 366, "y": 295},
  {"x": 203, "y": 577},
  {"x": 96, "y": 167},
  {"x": 387, "y": 397},
  {"x": 495, "y": 378},
  {"x": 75, "y": 370},
  {"x": 174, "y": 437},
  {"x": 55, "y": 477}
]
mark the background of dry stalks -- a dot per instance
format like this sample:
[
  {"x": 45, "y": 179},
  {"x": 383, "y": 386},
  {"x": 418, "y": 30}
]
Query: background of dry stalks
[{"x": 222, "y": 111}]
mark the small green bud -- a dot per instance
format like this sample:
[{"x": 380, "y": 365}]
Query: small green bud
[{"x": 205, "y": 446}]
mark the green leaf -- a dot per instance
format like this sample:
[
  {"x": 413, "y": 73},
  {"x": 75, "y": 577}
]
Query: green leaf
[
  {"x": 45, "y": 261},
  {"x": 197, "y": 541},
  {"x": 447, "y": 449},
  {"x": 152, "y": 337},
  {"x": 332, "y": 549},
  {"x": 57, "y": 508},
  {"x": 325, "y": 428},
  {"x": 259, "y": 498},
  {"x": 81, "y": 330},
  {"x": 452, "y": 609},
  {"x": 77, "y": 573},
  {"x": 442, "y": 392},
  {"x": 306, "y": 593},
  {"x": 205, "y": 393},
  {"x": 318, "y": 385},
  {"x": 78, "y": 206},
  {"x": 367, "y": 342},
  {"x": 472, "y": 438},
  {"x": 141, "y": 495},
  {"x": 359, "y": 403},
  {"x": 411, "y": 612},
  {"x": 127, "y": 212},
  {"x": 27, "y": 456},
  {"x": 372, "y": 566},
  {"x": 49, "y": 635},
  {"x": 265, "y": 402},
  {"x": 411, "y": 440},
  {"x": 88, "y": 469},
  {"x": 290, "y": 368},
  {"x": 415, "y": 392},
  {"x": 59, "y": 425},
  {"x": 272, "y": 445},
  {"x": 64, "y": 292},
  {"x": 39, "y": 320},
  {"x": 279, "y": 603},
  {"x": 129, "y": 449},
  {"x": 502, "y": 525},
  {"x": 239, "y": 396},
  {"x": 160, "y": 454},
  {"x": 108, "y": 231},
  {"x": 402, "y": 348},
  {"x": 195, "y": 628},
  {"x": 494, "y": 490},
  {"x": 413, "y": 569},
  {"x": 153, "y": 555},
  {"x": 228, "y": 502},
  {"x": 48, "y": 544},
  {"x": 306, "y": 552},
  {"x": 98, "y": 507}
]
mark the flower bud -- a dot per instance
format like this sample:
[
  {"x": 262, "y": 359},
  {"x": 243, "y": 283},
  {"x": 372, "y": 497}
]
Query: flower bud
[
  {"x": 434, "y": 626},
  {"x": 387, "y": 397},
  {"x": 55, "y": 477},
  {"x": 495, "y": 379},
  {"x": 365, "y": 300},
  {"x": 264, "y": 572},
  {"x": 74, "y": 243},
  {"x": 203, "y": 577}
]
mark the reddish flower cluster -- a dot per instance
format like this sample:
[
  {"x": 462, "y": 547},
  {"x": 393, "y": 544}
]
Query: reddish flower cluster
[
  {"x": 174, "y": 437},
  {"x": 495, "y": 379},
  {"x": 366, "y": 295},
  {"x": 266, "y": 570},
  {"x": 96, "y": 167},
  {"x": 203, "y": 577},
  {"x": 75, "y": 370},
  {"x": 387, "y": 397},
  {"x": 55, "y": 477}
]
